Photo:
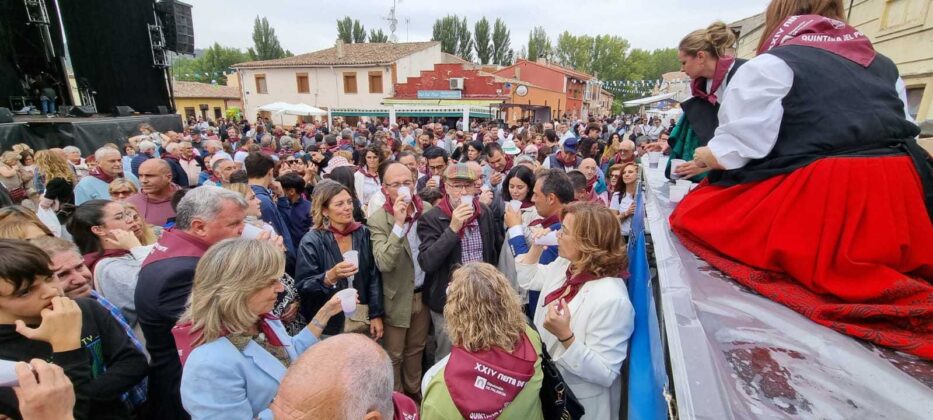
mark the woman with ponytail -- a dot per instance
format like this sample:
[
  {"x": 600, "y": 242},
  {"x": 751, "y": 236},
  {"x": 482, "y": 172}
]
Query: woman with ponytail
[
  {"x": 794, "y": 207},
  {"x": 706, "y": 56}
]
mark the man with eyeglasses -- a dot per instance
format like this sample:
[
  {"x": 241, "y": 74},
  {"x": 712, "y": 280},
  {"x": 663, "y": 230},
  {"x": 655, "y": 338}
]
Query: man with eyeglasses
[
  {"x": 395, "y": 242},
  {"x": 459, "y": 230},
  {"x": 437, "y": 163}
]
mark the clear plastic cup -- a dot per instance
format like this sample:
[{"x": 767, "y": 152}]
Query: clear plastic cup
[
  {"x": 8, "y": 376},
  {"x": 405, "y": 193},
  {"x": 437, "y": 180},
  {"x": 516, "y": 205},
  {"x": 547, "y": 240},
  {"x": 674, "y": 164},
  {"x": 466, "y": 199},
  {"x": 352, "y": 257},
  {"x": 653, "y": 159},
  {"x": 348, "y": 300}
]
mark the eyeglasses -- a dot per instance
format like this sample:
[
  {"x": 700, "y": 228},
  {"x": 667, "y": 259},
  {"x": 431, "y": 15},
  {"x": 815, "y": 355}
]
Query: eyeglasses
[
  {"x": 397, "y": 185},
  {"x": 112, "y": 193}
]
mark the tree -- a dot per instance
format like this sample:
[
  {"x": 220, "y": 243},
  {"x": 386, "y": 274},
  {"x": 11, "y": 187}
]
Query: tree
[
  {"x": 538, "y": 43},
  {"x": 359, "y": 32},
  {"x": 378, "y": 36},
  {"x": 465, "y": 41},
  {"x": 481, "y": 41},
  {"x": 266, "y": 44},
  {"x": 447, "y": 31},
  {"x": 501, "y": 49},
  {"x": 209, "y": 66},
  {"x": 345, "y": 30}
]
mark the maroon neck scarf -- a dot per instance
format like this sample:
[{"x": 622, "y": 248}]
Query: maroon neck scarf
[
  {"x": 698, "y": 85},
  {"x": 346, "y": 231},
  {"x": 101, "y": 175},
  {"x": 574, "y": 283},
  {"x": 546, "y": 222},
  {"x": 405, "y": 407},
  {"x": 365, "y": 171},
  {"x": 445, "y": 207},
  {"x": 824, "y": 33},
  {"x": 185, "y": 336},
  {"x": 412, "y": 216},
  {"x": 176, "y": 244},
  {"x": 91, "y": 259},
  {"x": 482, "y": 384}
]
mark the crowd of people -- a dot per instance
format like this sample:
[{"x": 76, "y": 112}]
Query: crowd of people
[{"x": 373, "y": 270}]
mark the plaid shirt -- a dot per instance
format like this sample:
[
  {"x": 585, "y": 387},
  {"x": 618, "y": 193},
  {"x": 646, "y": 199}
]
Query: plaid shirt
[
  {"x": 471, "y": 245},
  {"x": 136, "y": 395}
]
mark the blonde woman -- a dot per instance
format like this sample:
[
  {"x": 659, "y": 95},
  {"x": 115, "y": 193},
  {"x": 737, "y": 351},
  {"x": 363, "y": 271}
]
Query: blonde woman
[
  {"x": 59, "y": 180},
  {"x": 121, "y": 188},
  {"x": 233, "y": 350},
  {"x": 584, "y": 284},
  {"x": 486, "y": 326},
  {"x": 13, "y": 177},
  {"x": 142, "y": 230}
]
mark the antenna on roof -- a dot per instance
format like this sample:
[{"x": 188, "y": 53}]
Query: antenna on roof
[{"x": 393, "y": 21}]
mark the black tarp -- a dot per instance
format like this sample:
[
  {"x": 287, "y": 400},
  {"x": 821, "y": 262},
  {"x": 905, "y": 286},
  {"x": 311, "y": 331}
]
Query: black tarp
[{"x": 87, "y": 134}]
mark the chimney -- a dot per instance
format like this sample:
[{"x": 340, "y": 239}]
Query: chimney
[
  {"x": 339, "y": 47},
  {"x": 542, "y": 60}
]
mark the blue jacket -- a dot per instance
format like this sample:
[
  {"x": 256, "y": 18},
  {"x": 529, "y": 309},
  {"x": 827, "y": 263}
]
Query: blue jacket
[
  {"x": 297, "y": 217},
  {"x": 272, "y": 216},
  {"x": 90, "y": 188},
  {"x": 221, "y": 382}
]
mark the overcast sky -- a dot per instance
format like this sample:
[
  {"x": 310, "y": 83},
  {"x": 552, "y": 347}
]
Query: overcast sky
[{"x": 308, "y": 25}]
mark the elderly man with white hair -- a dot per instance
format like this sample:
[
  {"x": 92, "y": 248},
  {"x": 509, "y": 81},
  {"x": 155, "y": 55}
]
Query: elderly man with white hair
[
  {"x": 215, "y": 149},
  {"x": 147, "y": 150},
  {"x": 97, "y": 184}
]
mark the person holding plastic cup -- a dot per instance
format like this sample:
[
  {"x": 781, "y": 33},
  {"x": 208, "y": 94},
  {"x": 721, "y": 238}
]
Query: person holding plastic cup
[
  {"x": 229, "y": 316},
  {"x": 459, "y": 230},
  {"x": 323, "y": 267},
  {"x": 394, "y": 228},
  {"x": 623, "y": 196}
]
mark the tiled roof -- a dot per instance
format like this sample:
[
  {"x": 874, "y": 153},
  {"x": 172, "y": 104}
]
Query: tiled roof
[
  {"x": 204, "y": 90},
  {"x": 353, "y": 54},
  {"x": 503, "y": 79},
  {"x": 565, "y": 70}
]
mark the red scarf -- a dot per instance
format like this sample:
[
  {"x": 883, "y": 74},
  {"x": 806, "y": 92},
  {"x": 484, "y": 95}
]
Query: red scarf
[
  {"x": 101, "y": 175},
  {"x": 405, "y": 407},
  {"x": 565, "y": 160},
  {"x": 483, "y": 383},
  {"x": 449, "y": 211},
  {"x": 347, "y": 231},
  {"x": 574, "y": 283},
  {"x": 91, "y": 259},
  {"x": 618, "y": 159},
  {"x": 526, "y": 204},
  {"x": 411, "y": 217},
  {"x": 176, "y": 244},
  {"x": 185, "y": 336},
  {"x": 267, "y": 151},
  {"x": 591, "y": 184},
  {"x": 365, "y": 171},
  {"x": 509, "y": 162},
  {"x": 824, "y": 33},
  {"x": 698, "y": 85},
  {"x": 546, "y": 222},
  {"x": 168, "y": 156}
]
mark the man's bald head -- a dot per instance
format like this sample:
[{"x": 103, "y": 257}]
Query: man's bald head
[
  {"x": 347, "y": 376},
  {"x": 155, "y": 177}
]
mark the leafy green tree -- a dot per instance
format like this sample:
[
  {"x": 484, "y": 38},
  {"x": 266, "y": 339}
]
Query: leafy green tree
[
  {"x": 447, "y": 31},
  {"x": 502, "y": 53},
  {"x": 265, "y": 44},
  {"x": 538, "y": 43},
  {"x": 378, "y": 36},
  {"x": 345, "y": 30},
  {"x": 465, "y": 41},
  {"x": 359, "y": 32},
  {"x": 209, "y": 66},
  {"x": 481, "y": 41}
]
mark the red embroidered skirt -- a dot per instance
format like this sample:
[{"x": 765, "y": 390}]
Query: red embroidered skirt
[{"x": 846, "y": 242}]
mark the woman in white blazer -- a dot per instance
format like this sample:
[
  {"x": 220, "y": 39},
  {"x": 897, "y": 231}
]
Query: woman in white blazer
[
  {"x": 240, "y": 352},
  {"x": 584, "y": 313}
]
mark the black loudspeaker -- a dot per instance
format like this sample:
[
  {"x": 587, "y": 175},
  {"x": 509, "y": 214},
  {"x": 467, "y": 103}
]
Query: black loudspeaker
[
  {"x": 123, "y": 111},
  {"x": 81, "y": 111},
  {"x": 6, "y": 116},
  {"x": 162, "y": 110},
  {"x": 178, "y": 26}
]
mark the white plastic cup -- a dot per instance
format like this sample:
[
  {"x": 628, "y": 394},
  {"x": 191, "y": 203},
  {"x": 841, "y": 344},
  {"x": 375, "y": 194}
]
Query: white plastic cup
[
  {"x": 516, "y": 205},
  {"x": 352, "y": 257},
  {"x": 466, "y": 199},
  {"x": 8, "y": 374},
  {"x": 653, "y": 159},
  {"x": 348, "y": 300},
  {"x": 437, "y": 180},
  {"x": 674, "y": 164},
  {"x": 405, "y": 193},
  {"x": 547, "y": 240}
]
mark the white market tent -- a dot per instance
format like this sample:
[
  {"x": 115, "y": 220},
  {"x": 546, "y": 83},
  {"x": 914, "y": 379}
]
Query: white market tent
[
  {"x": 649, "y": 100},
  {"x": 273, "y": 107},
  {"x": 301, "y": 109}
]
